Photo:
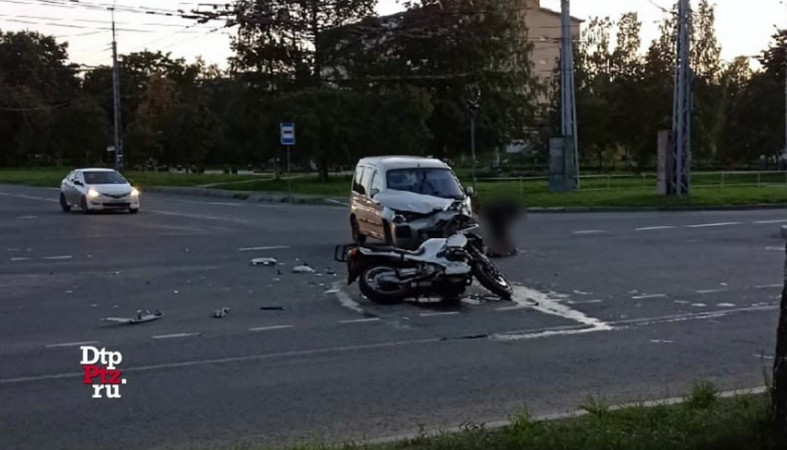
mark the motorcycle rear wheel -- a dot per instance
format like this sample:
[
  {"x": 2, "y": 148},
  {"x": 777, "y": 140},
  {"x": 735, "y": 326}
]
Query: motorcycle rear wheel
[{"x": 376, "y": 293}]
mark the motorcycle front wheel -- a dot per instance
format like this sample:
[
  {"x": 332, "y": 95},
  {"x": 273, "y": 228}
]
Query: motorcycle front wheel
[
  {"x": 487, "y": 273},
  {"x": 379, "y": 285}
]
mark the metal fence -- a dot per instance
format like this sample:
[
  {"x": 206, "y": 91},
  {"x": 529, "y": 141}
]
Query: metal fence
[{"x": 602, "y": 182}]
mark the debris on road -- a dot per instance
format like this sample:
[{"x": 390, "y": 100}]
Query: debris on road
[
  {"x": 143, "y": 315},
  {"x": 264, "y": 262},
  {"x": 303, "y": 268},
  {"x": 332, "y": 291},
  {"x": 175, "y": 292},
  {"x": 221, "y": 313},
  {"x": 271, "y": 308},
  {"x": 330, "y": 272}
]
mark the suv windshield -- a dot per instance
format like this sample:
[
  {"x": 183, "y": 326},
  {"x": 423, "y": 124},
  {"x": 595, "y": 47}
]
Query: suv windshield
[
  {"x": 436, "y": 182},
  {"x": 104, "y": 178}
]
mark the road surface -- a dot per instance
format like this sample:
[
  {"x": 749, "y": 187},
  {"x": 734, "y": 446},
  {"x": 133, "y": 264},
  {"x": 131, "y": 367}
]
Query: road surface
[{"x": 624, "y": 307}]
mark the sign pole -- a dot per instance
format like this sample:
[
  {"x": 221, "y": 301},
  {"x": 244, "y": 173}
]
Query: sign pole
[{"x": 289, "y": 176}]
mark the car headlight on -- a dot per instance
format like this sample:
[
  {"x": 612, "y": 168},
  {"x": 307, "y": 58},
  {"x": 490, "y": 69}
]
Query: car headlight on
[
  {"x": 134, "y": 192},
  {"x": 92, "y": 193}
]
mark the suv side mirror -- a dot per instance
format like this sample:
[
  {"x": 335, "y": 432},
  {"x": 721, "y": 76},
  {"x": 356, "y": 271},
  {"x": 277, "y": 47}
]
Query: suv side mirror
[
  {"x": 470, "y": 191},
  {"x": 373, "y": 192}
]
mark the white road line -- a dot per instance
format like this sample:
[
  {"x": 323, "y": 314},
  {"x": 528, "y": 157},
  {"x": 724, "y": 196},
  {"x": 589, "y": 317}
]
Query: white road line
[
  {"x": 583, "y": 232},
  {"x": 768, "y": 286},
  {"x": 769, "y": 222},
  {"x": 272, "y": 247},
  {"x": 511, "y": 308},
  {"x": 371, "y": 319},
  {"x": 224, "y": 204},
  {"x": 234, "y": 359},
  {"x": 71, "y": 344},
  {"x": 30, "y": 197},
  {"x": 710, "y": 291},
  {"x": 176, "y": 335},
  {"x": 197, "y": 216},
  {"x": 27, "y": 217},
  {"x": 21, "y": 259},
  {"x": 584, "y": 302},
  {"x": 346, "y": 300},
  {"x": 272, "y": 327},
  {"x": 764, "y": 357},
  {"x": 774, "y": 249},
  {"x": 664, "y": 227},
  {"x": 644, "y": 297},
  {"x": 450, "y": 313},
  {"x": 57, "y": 258},
  {"x": 710, "y": 225}
]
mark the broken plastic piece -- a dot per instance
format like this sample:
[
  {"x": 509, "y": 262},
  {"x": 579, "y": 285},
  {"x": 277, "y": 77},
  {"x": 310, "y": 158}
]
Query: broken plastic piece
[
  {"x": 263, "y": 262},
  {"x": 143, "y": 315},
  {"x": 271, "y": 308},
  {"x": 221, "y": 313},
  {"x": 303, "y": 268}
]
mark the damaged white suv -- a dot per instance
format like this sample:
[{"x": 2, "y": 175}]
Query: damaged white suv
[{"x": 403, "y": 200}]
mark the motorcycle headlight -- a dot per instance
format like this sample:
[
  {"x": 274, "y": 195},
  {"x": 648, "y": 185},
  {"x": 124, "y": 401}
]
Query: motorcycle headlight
[{"x": 92, "y": 193}]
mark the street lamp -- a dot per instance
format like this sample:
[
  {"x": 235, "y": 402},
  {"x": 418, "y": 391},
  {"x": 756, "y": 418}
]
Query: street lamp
[{"x": 473, "y": 106}]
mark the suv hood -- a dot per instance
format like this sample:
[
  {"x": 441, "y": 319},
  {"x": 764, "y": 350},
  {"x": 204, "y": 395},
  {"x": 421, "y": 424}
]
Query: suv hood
[{"x": 412, "y": 202}]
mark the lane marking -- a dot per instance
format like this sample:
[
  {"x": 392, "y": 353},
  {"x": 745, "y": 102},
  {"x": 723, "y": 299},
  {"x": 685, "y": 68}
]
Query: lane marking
[
  {"x": 30, "y": 197},
  {"x": 774, "y": 249},
  {"x": 57, "y": 258},
  {"x": 27, "y": 217},
  {"x": 353, "y": 348},
  {"x": 70, "y": 344},
  {"x": 511, "y": 308},
  {"x": 371, "y": 319},
  {"x": 197, "y": 216},
  {"x": 584, "y": 232},
  {"x": 272, "y": 247},
  {"x": 21, "y": 259},
  {"x": 710, "y": 291},
  {"x": 711, "y": 225},
  {"x": 768, "y": 286},
  {"x": 664, "y": 227},
  {"x": 584, "y": 302},
  {"x": 768, "y": 222},
  {"x": 224, "y": 204},
  {"x": 449, "y": 313},
  {"x": 769, "y": 357},
  {"x": 549, "y": 303},
  {"x": 346, "y": 300},
  {"x": 643, "y": 297},
  {"x": 176, "y": 335},
  {"x": 272, "y": 327}
]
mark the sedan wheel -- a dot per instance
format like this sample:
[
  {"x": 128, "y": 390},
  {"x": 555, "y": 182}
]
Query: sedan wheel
[
  {"x": 64, "y": 204},
  {"x": 83, "y": 205}
]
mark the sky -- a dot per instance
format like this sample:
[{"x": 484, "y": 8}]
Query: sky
[{"x": 742, "y": 28}]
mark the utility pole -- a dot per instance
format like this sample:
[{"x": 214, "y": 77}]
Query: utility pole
[
  {"x": 473, "y": 106},
  {"x": 116, "y": 99},
  {"x": 568, "y": 105},
  {"x": 680, "y": 178}
]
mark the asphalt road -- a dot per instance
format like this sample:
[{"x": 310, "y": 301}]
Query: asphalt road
[{"x": 619, "y": 306}]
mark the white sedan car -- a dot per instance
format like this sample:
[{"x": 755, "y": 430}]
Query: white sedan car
[{"x": 98, "y": 190}]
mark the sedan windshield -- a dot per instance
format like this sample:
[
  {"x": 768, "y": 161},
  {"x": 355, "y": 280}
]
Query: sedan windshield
[
  {"x": 436, "y": 182},
  {"x": 104, "y": 178}
]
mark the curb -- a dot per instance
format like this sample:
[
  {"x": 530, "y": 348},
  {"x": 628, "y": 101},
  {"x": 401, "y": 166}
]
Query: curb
[
  {"x": 595, "y": 209},
  {"x": 252, "y": 196},
  {"x": 279, "y": 197}
]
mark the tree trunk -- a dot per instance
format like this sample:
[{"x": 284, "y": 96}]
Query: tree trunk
[
  {"x": 322, "y": 167},
  {"x": 779, "y": 389}
]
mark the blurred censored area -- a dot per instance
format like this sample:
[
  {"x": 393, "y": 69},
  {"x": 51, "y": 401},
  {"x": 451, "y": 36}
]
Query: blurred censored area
[{"x": 498, "y": 217}]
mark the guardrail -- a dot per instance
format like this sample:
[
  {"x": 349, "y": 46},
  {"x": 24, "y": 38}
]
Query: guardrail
[{"x": 602, "y": 182}]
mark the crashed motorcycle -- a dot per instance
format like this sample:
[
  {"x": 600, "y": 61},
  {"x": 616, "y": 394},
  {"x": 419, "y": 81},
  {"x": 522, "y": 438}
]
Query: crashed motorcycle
[{"x": 442, "y": 267}]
